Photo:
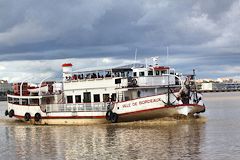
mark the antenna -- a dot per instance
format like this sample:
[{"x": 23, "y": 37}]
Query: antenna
[
  {"x": 135, "y": 60},
  {"x": 167, "y": 56}
]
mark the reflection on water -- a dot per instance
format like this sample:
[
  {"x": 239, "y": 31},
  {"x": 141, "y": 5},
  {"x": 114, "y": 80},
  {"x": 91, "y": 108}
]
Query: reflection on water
[
  {"x": 218, "y": 137},
  {"x": 102, "y": 142}
]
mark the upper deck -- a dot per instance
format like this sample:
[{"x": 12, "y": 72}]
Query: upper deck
[{"x": 120, "y": 78}]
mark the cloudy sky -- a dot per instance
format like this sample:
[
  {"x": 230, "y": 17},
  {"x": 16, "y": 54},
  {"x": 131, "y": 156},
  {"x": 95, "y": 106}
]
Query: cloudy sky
[{"x": 36, "y": 37}]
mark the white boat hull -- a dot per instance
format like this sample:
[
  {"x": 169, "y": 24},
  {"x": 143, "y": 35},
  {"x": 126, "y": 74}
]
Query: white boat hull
[
  {"x": 139, "y": 109},
  {"x": 167, "y": 111},
  {"x": 128, "y": 117}
]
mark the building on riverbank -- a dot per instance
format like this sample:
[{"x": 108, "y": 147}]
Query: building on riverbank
[
  {"x": 219, "y": 84},
  {"x": 215, "y": 86},
  {"x": 4, "y": 88}
]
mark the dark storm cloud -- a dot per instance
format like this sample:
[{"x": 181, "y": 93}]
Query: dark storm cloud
[
  {"x": 203, "y": 31},
  {"x": 54, "y": 25}
]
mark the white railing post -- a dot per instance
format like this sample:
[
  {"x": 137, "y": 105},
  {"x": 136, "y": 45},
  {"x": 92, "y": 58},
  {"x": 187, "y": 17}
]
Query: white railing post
[
  {"x": 21, "y": 94},
  {"x": 21, "y": 90},
  {"x": 40, "y": 85}
]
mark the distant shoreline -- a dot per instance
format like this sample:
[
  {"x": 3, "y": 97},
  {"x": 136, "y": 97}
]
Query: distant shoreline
[
  {"x": 3, "y": 98},
  {"x": 223, "y": 90}
]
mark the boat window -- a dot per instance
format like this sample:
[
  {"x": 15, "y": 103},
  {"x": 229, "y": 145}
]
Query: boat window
[
  {"x": 69, "y": 99},
  {"x": 118, "y": 81},
  {"x": 134, "y": 74},
  {"x": 114, "y": 97},
  {"x": 96, "y": 97},
  {"x": 16, "y": 101},
  {"x": 163, "y": 72},
  {"x": 78, "y": 99},
  {"x": 138, "y": 94},
  {"x": 150, "y": 73},
  {"x": 157, "y": 73},
  {"x": 105, "y": 97},
  {"x": 86, "y": 97},
  {"x": 141, "y": 74},
  {"x": 10, "y": 99},
  {"x": 34, "y": 102},
  {"x": 25, "y": 101}
]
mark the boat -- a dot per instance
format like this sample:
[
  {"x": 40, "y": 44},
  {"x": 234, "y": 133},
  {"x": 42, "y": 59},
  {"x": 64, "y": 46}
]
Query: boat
[{"x": 120, "y": 94}]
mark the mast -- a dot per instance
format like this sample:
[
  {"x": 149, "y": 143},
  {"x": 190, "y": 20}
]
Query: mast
[
  {"x": 168, "y": 101},
  {"x": 167, "y": 56},
  {"x": 195, "y": 86},
  {"x": 135, "y": 59}
]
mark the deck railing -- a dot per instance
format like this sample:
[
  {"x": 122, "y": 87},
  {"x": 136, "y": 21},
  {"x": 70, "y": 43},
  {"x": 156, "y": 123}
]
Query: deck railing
[
  {"x": 79, "y": 107},
  {"x": 156, "y": 80}
]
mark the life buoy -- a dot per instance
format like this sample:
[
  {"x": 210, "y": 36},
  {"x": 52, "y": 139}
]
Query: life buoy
[
  {"x": 114, "y": 117},
  {"x": 108, "y": 115},
  {"x": 11, "y": 113},
  {"x": 37, "y": 117},
  {"x": 6, "y": 113},
  {"x": 27, "y": 117}
]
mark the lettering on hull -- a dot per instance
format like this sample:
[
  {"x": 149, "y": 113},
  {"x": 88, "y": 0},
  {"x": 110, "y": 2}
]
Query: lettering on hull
[{"x": 134, "y": 104}]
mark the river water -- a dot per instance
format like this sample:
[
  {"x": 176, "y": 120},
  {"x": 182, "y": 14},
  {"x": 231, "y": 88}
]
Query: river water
[{"x": 215, "y": 135}]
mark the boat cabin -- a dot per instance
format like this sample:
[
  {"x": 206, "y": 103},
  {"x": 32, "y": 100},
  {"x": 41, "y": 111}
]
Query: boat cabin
[
  {"x": 97, "y": 86},
  {"x": 102, "y": 85}
]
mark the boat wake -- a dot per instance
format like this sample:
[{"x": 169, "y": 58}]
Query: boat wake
[
  {"x": 5, "y": 121},
  {"x": 166, "y": 121}
]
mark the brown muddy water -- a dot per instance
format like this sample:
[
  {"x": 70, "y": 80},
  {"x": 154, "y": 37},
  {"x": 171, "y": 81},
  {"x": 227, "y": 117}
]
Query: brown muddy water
[{"x": 215, "y": 135}]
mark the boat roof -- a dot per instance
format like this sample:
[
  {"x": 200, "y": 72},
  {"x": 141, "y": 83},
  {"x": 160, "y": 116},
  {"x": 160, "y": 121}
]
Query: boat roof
[
  {"x": 124, "y": 68},
  {"x": 128, "y": 67},
  {"x": 146, "y": 87}
]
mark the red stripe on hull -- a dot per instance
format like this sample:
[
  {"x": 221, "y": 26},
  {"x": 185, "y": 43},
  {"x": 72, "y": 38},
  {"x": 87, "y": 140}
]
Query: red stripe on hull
[{"x": 67, "y": 117}]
